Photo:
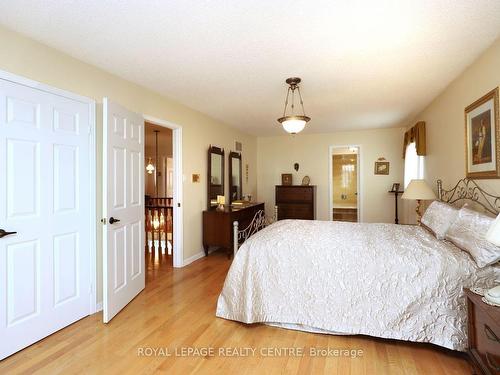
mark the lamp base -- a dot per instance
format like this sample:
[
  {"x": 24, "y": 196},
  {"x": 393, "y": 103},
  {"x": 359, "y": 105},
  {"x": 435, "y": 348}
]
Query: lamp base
[{"x": 417, "y": 210}]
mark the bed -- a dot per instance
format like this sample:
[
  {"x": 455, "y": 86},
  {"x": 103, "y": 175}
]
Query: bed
[{"x": 384, "y": 280}]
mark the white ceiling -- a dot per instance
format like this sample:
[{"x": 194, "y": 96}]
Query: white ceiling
[{"x": 364, "y": 64}]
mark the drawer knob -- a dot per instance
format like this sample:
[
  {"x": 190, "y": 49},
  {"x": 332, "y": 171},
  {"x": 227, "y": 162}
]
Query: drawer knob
[
  {"x": 490, "y": 334},
  {"x": 494, "y": 366}
]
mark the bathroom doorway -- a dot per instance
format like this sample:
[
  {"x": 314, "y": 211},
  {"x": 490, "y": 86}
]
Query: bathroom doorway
[{"x": 344, "y": 183}]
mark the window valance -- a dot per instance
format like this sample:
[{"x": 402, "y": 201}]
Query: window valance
[{"x": 416, "y": 134}]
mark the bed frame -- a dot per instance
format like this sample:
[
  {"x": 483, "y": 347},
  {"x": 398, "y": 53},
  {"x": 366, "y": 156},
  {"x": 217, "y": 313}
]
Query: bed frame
[
  {"x": 258, "y": 222},
  {"x": 468, "y": 190}
]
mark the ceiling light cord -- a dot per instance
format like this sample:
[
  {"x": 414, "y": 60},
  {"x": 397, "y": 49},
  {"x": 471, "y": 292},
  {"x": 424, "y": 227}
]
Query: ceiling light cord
[{"x": 301, "y": 102}]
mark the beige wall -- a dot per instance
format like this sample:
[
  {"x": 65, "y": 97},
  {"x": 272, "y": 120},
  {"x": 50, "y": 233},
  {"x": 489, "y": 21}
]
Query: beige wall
[
  {"x": 28, "y": 58},
  {"x": 445, "y": 125},
  {"x": 276, "y": 155}
]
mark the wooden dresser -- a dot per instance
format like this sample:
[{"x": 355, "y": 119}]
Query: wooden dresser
[
  {"x": 218, "y": 225},
  {"x": 484, "y": 335},
  {"x": 296, "y": 202}
]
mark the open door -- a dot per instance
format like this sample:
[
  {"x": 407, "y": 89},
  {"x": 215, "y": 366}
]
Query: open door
[{"x": 123, "y": 201}]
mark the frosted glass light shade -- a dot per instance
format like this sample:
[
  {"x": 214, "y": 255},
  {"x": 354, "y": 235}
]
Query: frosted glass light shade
[
  {"x": 150, "y": 167},
  {"x": 293, "y": 126},
  {"x": 493, "y": 234},
  {"x": 418, "y": 189}
]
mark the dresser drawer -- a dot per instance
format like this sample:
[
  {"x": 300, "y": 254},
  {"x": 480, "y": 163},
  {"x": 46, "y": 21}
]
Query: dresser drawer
[
  {"x": 484, "y": 336},
  {"x": 295, "y": 211},
  {"x": 294, "y": 194},
  {"x": 487, "y": 340}
]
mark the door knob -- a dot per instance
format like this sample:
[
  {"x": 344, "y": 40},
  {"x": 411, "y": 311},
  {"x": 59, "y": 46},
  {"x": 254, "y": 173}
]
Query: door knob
[
  {"x": 4, "y": 233},
  {"x": 113, "y": 220}
]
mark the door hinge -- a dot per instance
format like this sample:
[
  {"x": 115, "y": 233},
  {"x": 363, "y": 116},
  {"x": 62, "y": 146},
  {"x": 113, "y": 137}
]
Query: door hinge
[
  {"x": 103, "y": 220},
  {"x": 178, "y": 204}
]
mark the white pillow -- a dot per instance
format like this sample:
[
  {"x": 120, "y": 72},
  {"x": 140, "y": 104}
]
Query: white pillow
[
  {"x": 468, "y": 232},
  {"x": 438, "y": 218}
]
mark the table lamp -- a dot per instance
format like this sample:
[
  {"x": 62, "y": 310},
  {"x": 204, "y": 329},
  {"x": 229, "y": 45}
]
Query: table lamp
[
  {"x": 493, "y": 234},
  {"x": 418, "y": 190}
]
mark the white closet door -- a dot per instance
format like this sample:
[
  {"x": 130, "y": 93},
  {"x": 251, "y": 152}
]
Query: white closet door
[
  {"x": 45, "y": 197},
  {"x": 123, "y": 174}
]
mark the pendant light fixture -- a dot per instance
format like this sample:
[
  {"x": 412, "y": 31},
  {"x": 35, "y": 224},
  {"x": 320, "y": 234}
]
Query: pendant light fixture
[
  {"x": 150, "y": 167},
  {"x": 156, "y": 162},
  {"x": 293, "y": 123}
]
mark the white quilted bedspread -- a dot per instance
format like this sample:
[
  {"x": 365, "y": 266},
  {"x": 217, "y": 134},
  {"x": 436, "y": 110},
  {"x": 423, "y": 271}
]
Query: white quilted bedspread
[{"x": 384, "y": 280}]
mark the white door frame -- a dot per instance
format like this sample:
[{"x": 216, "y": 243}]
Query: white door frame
[
  {"x": 359, "y": 181},
  {"x": 92, "y": 170},
  {"x": 178, "y": 249}
]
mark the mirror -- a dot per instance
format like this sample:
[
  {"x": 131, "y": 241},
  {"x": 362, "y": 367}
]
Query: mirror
[
  {"x": 235, "y": 180},
  {"x": 215, "y": 175}
]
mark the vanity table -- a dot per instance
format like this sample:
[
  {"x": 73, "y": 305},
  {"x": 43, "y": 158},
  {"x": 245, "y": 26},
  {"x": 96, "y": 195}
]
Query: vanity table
[
  {"x": 218, "y": 225},
  {"x": 218, "y": 221}
]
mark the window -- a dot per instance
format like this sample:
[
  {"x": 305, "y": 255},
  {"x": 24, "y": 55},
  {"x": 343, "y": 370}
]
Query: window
[{"x": 414, "y": 164}]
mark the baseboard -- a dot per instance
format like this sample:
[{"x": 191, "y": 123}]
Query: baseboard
[
  {"x": 196, "y": 256},
  {"x": 98, "y": 307}
]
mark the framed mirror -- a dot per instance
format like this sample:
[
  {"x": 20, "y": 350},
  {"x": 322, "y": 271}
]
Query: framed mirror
[
  {"x": 235, "y": 180},
  {"x": 215, "y": 175}
]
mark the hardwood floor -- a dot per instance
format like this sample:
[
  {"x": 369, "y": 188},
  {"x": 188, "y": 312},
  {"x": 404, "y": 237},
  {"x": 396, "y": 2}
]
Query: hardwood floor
[{"x": 177, "y": 311}]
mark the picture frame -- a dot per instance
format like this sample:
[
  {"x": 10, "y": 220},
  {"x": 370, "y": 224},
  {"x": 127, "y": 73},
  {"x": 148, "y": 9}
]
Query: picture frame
[
  {"x": 382, "y": 167},
  {"x": 286, "y": 179},
  {"x": 306, "y": 181},
  {"x": 482, "y": 137},
  {"x": 395, "y": 187}
]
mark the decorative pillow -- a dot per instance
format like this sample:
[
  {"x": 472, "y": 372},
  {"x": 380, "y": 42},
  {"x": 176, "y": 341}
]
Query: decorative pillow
[
  {"x": 438, "y": 218},
  {"x": 469, "y": 231}
]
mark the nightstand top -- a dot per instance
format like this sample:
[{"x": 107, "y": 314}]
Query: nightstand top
[{"x": 492, "y": 311}]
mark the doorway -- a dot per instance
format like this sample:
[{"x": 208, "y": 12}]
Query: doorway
[
  {"x": 169, "y": 185},
  {"x": 158, "y": 198},
  {"x": 344, "y": 183}
]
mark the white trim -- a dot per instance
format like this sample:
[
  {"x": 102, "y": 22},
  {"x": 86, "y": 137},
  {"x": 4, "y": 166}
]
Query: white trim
[
  {"x": 98, "y": 307},
  {"x": 195, "y": 257},
  {"x": 359, "y": 181},
  {"x": 178, "y": 234},
  {"x": 93, "y": 215},
  {"x": 92, "y": 170}
]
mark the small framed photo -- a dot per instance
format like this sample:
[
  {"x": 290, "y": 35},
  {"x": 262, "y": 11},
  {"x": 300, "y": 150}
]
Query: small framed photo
[
  {"x": 482, "y": 137},
  {"x": 286, "y": 179},
  {"x": 382, "y": 167},
  {"x": 395, "y": 187}
]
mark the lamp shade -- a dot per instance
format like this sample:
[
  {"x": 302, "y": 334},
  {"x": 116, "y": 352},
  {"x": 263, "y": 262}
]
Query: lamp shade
[
  {"x": 418, "y": 189},
  {"x": 493, "y": 234}
]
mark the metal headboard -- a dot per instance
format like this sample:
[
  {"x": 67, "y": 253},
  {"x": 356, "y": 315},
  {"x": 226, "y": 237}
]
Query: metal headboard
[
  {"x": 259, "y": 221},
  {"x": 468, "y": 190}
]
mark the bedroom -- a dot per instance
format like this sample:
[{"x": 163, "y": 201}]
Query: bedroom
[{"x": 397, "y": 65}]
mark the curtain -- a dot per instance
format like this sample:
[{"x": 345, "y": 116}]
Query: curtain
[{"x": 416, "y": 135}]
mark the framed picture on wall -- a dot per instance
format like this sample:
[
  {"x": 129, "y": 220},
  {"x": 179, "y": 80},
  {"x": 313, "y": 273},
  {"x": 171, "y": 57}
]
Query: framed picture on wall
[
  {"x": 286, "y": 179},
  {"x": 382, "y": 167},
  {"x": 482, "y": 137}
]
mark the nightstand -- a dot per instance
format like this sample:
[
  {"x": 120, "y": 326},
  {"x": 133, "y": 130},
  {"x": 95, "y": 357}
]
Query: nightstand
[{"x": 484, "y": 335}]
